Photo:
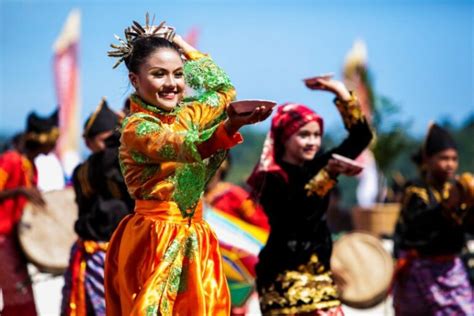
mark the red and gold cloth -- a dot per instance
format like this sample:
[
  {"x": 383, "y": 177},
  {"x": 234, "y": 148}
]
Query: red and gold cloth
[
  {"x": 15, "y": 171},
  {"x": 76, "y": 295},
  {"x": 236, "y": 201}
]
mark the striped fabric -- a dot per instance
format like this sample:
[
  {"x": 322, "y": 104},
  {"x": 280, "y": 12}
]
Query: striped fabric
[
  {"x": 94, "y": 280},
  {"x": 240, "y": 243},
  {"x": 83, "y": 292}
]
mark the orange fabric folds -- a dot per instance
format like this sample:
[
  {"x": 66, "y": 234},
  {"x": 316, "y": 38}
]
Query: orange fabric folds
[{"x": 159, "y": 263}]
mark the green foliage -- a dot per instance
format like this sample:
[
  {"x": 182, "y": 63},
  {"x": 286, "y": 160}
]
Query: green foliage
[
  {"x": 464, "y": 138},
  {"x": 391, "y": 133},
  {"x": 246, "y": 155},
  {"x": 389, "y": 146}
]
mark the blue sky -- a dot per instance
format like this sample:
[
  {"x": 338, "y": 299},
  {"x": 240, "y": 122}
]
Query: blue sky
[{"x": 420, "y": 52}]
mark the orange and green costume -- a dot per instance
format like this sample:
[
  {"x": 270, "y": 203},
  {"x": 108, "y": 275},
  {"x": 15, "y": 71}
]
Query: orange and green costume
[{"x": 164, "y": 259}]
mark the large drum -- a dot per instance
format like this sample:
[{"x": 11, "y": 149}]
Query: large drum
[
  {"x": 365, "y": 268},
  {"x": 47, "y": 234}
]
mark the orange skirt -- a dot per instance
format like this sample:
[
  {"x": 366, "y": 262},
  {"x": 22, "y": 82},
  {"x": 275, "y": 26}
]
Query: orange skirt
[{"x": 158, "y": 263}]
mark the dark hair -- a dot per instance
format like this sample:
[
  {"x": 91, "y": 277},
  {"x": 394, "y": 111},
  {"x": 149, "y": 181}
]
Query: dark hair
[{"x": 144, "y": 47}]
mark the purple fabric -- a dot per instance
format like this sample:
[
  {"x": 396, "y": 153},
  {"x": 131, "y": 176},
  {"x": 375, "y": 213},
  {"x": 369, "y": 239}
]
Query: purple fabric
[
  {"x": 94, "y": 282},
  {"x": 430, "y": 287}
]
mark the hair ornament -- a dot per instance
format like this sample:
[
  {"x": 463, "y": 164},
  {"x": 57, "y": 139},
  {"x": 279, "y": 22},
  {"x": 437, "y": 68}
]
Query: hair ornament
[{"x": 136, "y": 31}]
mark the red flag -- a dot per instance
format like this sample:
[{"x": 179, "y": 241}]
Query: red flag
[
  {"x": 66, "y": 77},
  {"x": 192, "y": 37}
]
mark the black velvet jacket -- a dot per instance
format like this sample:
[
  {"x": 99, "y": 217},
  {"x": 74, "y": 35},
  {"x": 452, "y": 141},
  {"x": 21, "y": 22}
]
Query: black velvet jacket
[
  {"x": 425, "y": 226},
  {"x": 101, "y": 194},
  {"x": 298, "y": 224}
]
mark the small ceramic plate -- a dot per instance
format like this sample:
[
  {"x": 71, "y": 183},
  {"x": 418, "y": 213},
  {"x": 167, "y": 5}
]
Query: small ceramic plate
[
  {"x": 348, "y": 161},
  {"x": 243, "y": 107},
  {"x": 312, "y": 80}
]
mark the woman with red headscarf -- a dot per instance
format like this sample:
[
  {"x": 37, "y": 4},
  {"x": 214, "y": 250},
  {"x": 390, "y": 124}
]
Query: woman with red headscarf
[{"x": 293, "y": 180}]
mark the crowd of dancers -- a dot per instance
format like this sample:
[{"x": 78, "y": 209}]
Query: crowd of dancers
[{"x": 154, "y": 175}]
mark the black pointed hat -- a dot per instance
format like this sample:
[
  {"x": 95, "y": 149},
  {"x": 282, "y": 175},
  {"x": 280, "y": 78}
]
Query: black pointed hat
[
  {"x": 43, "y": 130},
  {"x": 437, "y": 140},
  {"x": 102, "y": 120}
]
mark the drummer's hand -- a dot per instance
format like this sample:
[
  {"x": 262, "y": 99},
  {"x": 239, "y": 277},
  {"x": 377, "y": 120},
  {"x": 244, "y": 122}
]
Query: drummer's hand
[
  {"x": 331, "y": 85},
  {"x": 235, "y": 121},
  {"x": 340, "y": 278},
  {"x": 33, "y": 195},
  {"x": 337, "y": 167}
]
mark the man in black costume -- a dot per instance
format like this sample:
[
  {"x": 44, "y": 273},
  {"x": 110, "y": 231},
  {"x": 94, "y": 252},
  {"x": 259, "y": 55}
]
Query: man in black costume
[{"x": 103, "y": 201}]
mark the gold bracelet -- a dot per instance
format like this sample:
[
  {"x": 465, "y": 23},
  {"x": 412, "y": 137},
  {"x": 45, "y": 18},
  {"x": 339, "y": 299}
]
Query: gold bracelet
[{"x": 320, "y": 184}]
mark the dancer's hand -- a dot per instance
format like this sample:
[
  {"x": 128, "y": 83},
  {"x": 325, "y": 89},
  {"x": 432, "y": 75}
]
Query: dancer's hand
[
  {"x": 336, "y": 167},
  {"x": 182, "y": 44},
  {"x": 235, "y": 121},
  {"x": 328, "y": 84},
  {"x": 33, "y": 195}
]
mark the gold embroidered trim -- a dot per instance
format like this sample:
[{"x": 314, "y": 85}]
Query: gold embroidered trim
[
  {"x": 308, "y": 288},
  {"x": 320, "y": 184},
  {"x": 94, "y": 117},
  {"x": 420, "y": 192},
  {"x": 351, "y": 111},
  {"x": 304, "y": 308},
  {"x": 91, "y": 246},
  {"x": 466, "y": 180},
  {"x": 444, "y": 194},
  {"x": 44, "y": 138}
]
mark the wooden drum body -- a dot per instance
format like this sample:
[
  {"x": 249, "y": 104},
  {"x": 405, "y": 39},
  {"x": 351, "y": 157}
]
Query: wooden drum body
[
  {"x": 365, "y": 268},
  {"x": 46, "y": 234}
]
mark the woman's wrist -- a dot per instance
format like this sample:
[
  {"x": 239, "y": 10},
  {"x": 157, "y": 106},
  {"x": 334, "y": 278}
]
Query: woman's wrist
[
  {"x": 344, "y": 95},
  {"x": 332, "y": 174},
  {"x": 181, "y": 43},
  {"x": 230, "y": 128}
]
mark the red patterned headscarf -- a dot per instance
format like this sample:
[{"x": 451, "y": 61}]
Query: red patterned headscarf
[{"x": 289, "y": 118}]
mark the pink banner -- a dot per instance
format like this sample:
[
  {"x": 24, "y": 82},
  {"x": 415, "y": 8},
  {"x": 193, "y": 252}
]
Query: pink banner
[{"x": 66, "y": 77}]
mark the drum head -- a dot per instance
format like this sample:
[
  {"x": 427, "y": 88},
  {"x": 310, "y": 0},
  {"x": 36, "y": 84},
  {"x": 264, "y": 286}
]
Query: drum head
[
  {"x": 365, "y": 267},
  {"x": 47, "y": 234}
]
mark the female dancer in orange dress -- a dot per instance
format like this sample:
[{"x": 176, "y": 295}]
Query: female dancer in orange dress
[{"x": 164, "y": 259}]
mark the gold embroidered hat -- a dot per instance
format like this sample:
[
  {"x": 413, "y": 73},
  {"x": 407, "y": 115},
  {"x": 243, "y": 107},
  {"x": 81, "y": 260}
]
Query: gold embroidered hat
[
  {"x": 42, "y": 130},
  {"x": 103, "y": 119}
]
